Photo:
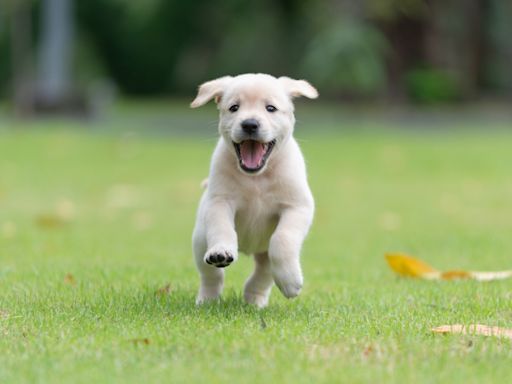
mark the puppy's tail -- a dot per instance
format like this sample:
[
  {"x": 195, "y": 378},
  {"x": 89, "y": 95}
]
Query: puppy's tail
[{"x": 204, "y": 183}]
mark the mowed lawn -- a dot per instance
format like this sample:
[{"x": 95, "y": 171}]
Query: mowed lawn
[{"x": 97, "y": 281}]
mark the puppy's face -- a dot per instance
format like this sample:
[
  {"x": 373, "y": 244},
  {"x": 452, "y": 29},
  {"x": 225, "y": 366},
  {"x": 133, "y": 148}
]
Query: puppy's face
[{"x": 256, "y": 114}]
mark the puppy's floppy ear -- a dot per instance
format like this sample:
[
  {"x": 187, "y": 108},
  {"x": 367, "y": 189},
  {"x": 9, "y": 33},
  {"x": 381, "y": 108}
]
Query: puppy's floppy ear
[
  {"x": 296, "y": 88},
  {"x": 209, "y": 90}
]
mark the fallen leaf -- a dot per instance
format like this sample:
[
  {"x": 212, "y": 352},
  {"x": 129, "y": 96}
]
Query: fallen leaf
[
  {"x": 368, "y": 350},
  {"x": 474, "y": 329},
  {"x": 405, "y": 265},
  {"x": 62, "y": 215},
  {"x": 140, "y": 341},
  {"x": 50, "y": 221},
  {"x": 456, "y": 275},
  {"x": 69, "y": 279},
  {"x": 164, "y": 291}
]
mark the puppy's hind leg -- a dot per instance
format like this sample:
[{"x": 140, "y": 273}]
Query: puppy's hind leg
[
  {"x": 258, "y": 286},
  {"x": 212, "y": 278}
]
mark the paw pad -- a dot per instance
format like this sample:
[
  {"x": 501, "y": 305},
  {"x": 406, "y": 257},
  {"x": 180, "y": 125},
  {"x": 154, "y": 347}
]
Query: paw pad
[{"x": 219, "y": 259}]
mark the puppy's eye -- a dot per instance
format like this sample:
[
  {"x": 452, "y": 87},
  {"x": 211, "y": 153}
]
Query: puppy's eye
[
  {"x": 270, "y": 108},
  {"x": 234, "y": 108}
]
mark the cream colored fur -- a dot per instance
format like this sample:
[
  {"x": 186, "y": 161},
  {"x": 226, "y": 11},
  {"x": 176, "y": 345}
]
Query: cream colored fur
[{"x": 267, "y": 214}]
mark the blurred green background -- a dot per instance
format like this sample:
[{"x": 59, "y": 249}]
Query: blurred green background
[{"x": 65, "y": 55}]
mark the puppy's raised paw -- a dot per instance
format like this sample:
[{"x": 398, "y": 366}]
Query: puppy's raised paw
[
  {"x": 289, "y": 290},
  {"x": 220, "y": 257},
  {"x": 288, "y": 279}
]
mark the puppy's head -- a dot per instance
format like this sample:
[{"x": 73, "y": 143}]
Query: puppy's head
[{"x": 256, "y": 114}]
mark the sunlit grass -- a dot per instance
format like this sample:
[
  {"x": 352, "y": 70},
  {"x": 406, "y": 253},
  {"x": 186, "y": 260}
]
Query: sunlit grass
[{"x": 80, "y": 299}]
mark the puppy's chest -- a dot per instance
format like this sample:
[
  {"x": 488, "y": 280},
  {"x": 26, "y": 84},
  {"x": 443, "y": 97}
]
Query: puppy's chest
[{"x": 256, "y": 219}]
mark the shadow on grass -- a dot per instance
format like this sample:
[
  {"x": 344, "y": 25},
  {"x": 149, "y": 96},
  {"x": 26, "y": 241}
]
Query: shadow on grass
[
  {"x": 230, "y": 305},
  {"x": 149, "y": 303}
]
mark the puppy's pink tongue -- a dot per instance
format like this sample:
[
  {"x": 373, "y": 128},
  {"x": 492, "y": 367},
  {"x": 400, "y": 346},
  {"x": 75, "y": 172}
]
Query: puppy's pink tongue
[{"x": 252, "y": 153}]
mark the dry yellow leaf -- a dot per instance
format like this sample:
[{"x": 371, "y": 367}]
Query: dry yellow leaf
[
  {"x": 50, "y": 221},
  {"x": 140, "y": 341},
  {"x": 69, "y": 279},
  {"x": 474, "y": 329},
  {"x": 164, "y": 291},
  {"x": 456, "y": 275},
  {"x": 61, "y": 216},
  {"x": 406, "y": 265}
]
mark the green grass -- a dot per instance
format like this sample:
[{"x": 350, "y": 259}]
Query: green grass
[{"x": 442, "y": 194}]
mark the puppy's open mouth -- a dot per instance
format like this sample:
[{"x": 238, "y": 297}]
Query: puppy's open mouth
[{"x": 253, "y": 154}]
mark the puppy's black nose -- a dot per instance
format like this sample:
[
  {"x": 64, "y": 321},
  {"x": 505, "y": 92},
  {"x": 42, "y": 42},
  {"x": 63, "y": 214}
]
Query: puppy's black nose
[{"x": 250, "y": 126}]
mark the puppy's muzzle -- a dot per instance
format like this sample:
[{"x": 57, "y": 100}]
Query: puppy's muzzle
[{"x": 250, "y": 126}]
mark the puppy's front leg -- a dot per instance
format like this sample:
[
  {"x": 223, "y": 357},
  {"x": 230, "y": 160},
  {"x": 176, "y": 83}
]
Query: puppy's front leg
[
  {"x": 215, "y": 246},
  {"x": 221, "y": 237},
  {"x": 285, "y": 246}
]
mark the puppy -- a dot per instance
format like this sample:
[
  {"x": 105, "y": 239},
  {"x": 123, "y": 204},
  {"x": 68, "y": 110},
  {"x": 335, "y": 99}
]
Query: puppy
[{"x": 257, "y": 200}]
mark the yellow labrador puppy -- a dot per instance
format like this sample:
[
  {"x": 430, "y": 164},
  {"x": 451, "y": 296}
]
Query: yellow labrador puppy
[{"x": 257, "y": 199}]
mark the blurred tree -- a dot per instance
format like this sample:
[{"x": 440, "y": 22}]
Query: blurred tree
[
  {"x": 455, "y": 40},
  {"x": 348, "y": 59},
  {"x": 55, "y": 53},
  {"x": 419, "y": 50},
  {"x": 140, "y": 42},
  {"x": 5, "y": 64},
  {"x": 346, "y": 55},
  {"x": 497, "y": 73},
  {"x": 272, "y": 43},
  {"x": 168, "y": 45},
  {"x": 402, "y": 25},
  {"x": 52, "y": 90},
  {"x": 21, "y": 56}
]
